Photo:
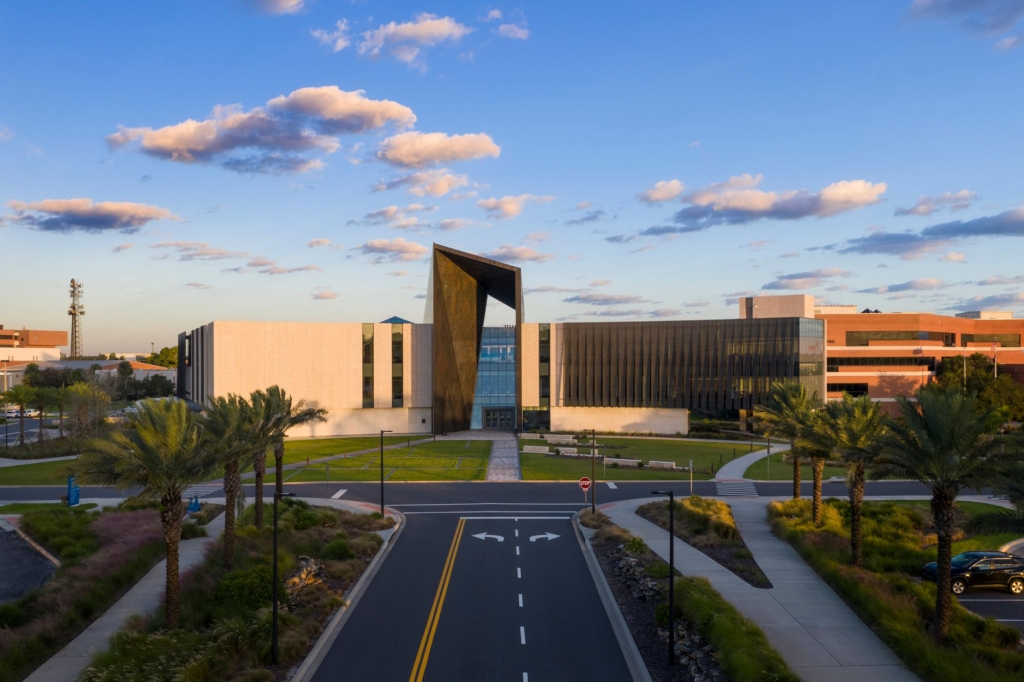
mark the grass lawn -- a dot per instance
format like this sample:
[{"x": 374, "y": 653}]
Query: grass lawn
[
  {"x": 783, "y": 471},
  {"x": 44, "y": 473},
  {"x": 299, "y": 450},
  {"x": 22, "y": 507},
  {"x": 434, "y": 461},
  {"x": 539, "y": 467},
  {"x": 967, "y": 510}
]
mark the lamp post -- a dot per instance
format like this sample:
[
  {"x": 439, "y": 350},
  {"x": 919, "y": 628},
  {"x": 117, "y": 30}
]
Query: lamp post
[
  {"x": 593, "y": 470},
  {"x": 671, "y": 569},
  {"x": 382, "y": 432},
  {"x": 273, "y": 643}
]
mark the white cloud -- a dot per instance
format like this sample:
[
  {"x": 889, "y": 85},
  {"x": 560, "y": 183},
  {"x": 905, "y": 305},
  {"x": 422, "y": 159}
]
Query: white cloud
[
  {"x": 325, "y": 295},
  {"x": 695, "y": 143},
  {"x": 397, "y": 217},
  {"x": 416, "y": 150},
  {"x": 537, "y": 237},
  {"x": 275, "y": 6},
  {"x": 663, "y": 190},
  {"x": 199, "y": 285},
  {"x": 338, "y": 39},
  {"x": 449, "y": 224},
  {"x": 999, "y": 280},
  {"x": 189, "y": 251},
  {"x": 67, "y": 215},
  {"x": 392, "y": 250},
  {"x": 600, "y": 283},
  {"x": 923, "y": 284},
  {"x": 605, "y": 299},
  {"x": 403, "y": 41},
  {"x": 314, "y": 243},
  {"x": 510, "y": 206},
  {"x": 583, "y": 205},
  {"x": 806, "y": 280},
  {"x": 493, "y": 15},
  {"x": 548, "y": 289},
  {"x": 122, "y": 247},
  {"x": 277, "y": 138},
  {"x": 435, "y": 183},
  {"x": 398, "y": 273},
  {"x": 1008, "y": 43},
  {"x": 507, "y": 253},
  {"x": 1011, "y": 300},
  {"x": 926, "y": 205},
  {"x": 954, "y": 257},
  {"x": 278, "y": 270},
  {"x": 6, "y": 134},
  {"x": 513, "y": 32}
]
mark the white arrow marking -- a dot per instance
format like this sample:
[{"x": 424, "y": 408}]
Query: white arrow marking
[
  {"x": 546, "y": 536},
  {"x": 484, "y": 536}
]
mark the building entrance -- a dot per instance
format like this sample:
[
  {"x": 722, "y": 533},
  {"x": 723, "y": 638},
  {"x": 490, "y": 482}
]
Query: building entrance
[{"x": 499, "y": 418}]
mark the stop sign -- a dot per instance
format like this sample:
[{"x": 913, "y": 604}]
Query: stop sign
[{"x": 585, "y": 483}]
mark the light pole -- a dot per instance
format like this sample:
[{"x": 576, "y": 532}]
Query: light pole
[
  {"x": 593, "y": 471},
  {"x": 273, "y": 636},
  {"x": 382, "y": 432},
  {"x": 671, "y": 570}
]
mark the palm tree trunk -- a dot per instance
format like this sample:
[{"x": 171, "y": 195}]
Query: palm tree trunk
[
  {"x": 42, "y": 413},
  {"x": 817, "y": 467},
  {"x": 796, "y": 476},
  {"x": 856, "y": 506},
  {"x": 942, "y": 512},
  {"x": 170, "y": 517},
  {"x": 259, "y": 465},
  {"x": 60, "y": 424},
  {"x": 279, "y": 466},
  {"x": 231, "y": 485},
  {"x": 21, "y": 423}
]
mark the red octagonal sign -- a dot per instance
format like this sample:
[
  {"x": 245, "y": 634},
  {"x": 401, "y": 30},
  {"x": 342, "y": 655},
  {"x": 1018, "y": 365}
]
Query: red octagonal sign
[{"x": 585, "y": 483}]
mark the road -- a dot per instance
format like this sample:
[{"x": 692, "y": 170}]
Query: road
[
  {"x": 465, "y": 595},
  {"x": 995, "y": 603}
]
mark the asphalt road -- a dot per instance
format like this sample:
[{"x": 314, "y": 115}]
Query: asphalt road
[
  {"x": 22, "y": 569},
  {"x": 995, "y": 603},
  {"x": 456, "y": 606}
]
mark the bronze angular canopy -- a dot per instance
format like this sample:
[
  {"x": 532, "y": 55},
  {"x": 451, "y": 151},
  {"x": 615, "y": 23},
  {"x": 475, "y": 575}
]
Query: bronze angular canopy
[{"x": 461, "y": 283}]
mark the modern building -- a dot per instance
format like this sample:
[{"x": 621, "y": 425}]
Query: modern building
[
  {"x": 12, "y": 373},
  {"x": 452, "y": 373},
  {"x": 30, "y": 345}
]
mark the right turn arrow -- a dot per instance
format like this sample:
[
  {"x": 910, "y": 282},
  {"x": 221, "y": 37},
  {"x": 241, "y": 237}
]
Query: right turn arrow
[{"x": 546, "y": 536}]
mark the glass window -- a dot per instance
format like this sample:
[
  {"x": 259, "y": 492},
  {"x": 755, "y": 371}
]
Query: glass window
[
  {"x": 863, "y": 338},
  {"x": 1004, "y": 340},
  {"x": 397, "y": 357},
  {"x": 367, "y": 365},
  {"x": 855, "y": 390}
]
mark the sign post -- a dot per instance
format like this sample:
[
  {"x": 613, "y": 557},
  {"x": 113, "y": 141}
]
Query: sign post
[
  {"x": 593, "y": 468},
  {"x": 72, "y": 491},
  {"x": 585, "y": 483}
]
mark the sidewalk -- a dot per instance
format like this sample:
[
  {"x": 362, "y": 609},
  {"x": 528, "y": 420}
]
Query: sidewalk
[
  {"x": 6, "y": 462},
  {"x": 819, "y": 637},
  {"x": 68, "y": 663},
  {"x": 735, "y": 469},
  {"x": 504, "y": 462}
]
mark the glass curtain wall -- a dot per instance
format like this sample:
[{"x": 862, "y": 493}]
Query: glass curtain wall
[
  {"x": 496, "y": 374},
  {"x": 367, "y": 365},
  {"x": 396, "y": 365}
]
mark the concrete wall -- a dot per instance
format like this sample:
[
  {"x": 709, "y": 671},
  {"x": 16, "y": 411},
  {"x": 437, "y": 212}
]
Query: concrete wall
[
  {"x": 29, "y": 354},
  {"x": 652, "y": 420},
  {"x": 796, "y": 305},
  {"x": 530, "y": 354}
]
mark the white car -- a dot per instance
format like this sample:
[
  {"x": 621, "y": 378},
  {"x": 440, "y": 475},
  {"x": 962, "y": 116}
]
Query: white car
[{"x": 15, "y": 413}]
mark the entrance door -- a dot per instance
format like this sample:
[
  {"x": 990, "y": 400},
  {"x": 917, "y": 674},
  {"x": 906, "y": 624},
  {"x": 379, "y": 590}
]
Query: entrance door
[{"x": 498, "y": 418}]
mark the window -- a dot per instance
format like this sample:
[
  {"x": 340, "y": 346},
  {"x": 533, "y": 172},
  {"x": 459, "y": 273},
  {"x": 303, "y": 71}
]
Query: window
[
  {"x": 853, "y": 389},
  {"x": 367, "y": 365},
  {"x": 544, "y": 357},
  {"x": 914, "y": 361},
  {"x": 1004, "y": 340},
  {"x": 396, "y": 365},
  {"x": 862, "y": 338}
]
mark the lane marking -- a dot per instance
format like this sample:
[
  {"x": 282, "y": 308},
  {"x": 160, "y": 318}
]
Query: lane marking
[
  {"x": 517, "y": 550},
  {"x": 427, "y": 641},
  {"x": 522, "y": 635},
  {"x": 502, "y": 518},
  {"x": 517, "y": 532},
  {"x": 545, "y": 536},
  {"x": 519, "y": 572},
  {"x": 525, "y": 678},
  {"x": 338, "y": 494},
  {"x": 504, "y": 511},
  {"x": 520, "y": 601},
  {"x": 612, "y": 485},
  {"x": 487, "y": 504},
  {"x": 484, "y": 536}
]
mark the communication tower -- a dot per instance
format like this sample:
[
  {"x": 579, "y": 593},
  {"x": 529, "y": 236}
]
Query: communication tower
[{"x": 76, "y": 310}]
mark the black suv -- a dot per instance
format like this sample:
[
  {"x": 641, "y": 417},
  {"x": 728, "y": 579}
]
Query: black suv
[{"x": 983, "y": 569}]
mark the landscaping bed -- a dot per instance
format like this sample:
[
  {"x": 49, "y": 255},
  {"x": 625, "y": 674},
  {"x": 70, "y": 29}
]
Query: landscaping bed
[
  {"x": 713, "y": 641},
  {"x": 887, "y": 593},
  {"x": 708, "y": 525},
  {"x": 225, "y": 615},
  {"x": 103, "y": 555}
]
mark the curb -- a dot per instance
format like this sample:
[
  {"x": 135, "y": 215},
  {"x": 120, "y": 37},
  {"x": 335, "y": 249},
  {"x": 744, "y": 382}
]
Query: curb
[
  {"x": 634, "y": 661},
  {"x": 316, "y": 655}
]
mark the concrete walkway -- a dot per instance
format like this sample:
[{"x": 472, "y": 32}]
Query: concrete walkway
[
  {"x": 68, "y": 663},
  {"x": 735, "y": 470},
  {"x": 816, "y": 633},
  {"x": 504, "y": 462},
  {"x": 5, "y": 462}
]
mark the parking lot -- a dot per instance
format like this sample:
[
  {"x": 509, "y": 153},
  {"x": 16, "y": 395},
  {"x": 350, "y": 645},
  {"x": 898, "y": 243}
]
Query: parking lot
[{"x": 995, "y": 603}]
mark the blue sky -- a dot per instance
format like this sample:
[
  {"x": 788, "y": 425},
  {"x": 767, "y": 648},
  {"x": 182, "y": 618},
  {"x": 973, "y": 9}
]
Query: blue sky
[{"x": 636, "y": 165}]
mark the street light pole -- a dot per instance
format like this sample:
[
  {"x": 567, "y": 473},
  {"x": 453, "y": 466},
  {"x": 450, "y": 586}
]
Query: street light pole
[
  {"x": 671, "y": 572},
  {"x": 273, "y": 644},
  {"x": 593, "y": 471},
  {"x": 382, "y": 432}
]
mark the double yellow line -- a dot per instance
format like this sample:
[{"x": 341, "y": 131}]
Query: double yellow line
[{"x": 420, "y": 666}]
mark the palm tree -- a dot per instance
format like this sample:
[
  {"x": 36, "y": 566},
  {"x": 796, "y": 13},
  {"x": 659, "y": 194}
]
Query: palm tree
[
  {"x": 163, "y": 453},
  {"x": 42, "y": 402},
  {"x": 287, "y": 416},
  {"x": 261, "y": 427},
  {"x": 223, "y": 423},
  {"x": 60, "y": 397},
  {"x": 787, "y": 409},
  {"x": 22, "y": 396},
  {"x": 850, "y": 429},
  {"x": 941, "y": 441}
]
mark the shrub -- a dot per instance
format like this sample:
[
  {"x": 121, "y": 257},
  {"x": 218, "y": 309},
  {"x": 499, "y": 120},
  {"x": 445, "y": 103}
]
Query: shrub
[
  {"x": 657, "y": 570},
  {"x": 589, "y": 519},
  {"x": 705, "y": 516},
  {"x": 661, "y": 612},
  {"x": 67, "y": 532},
  {"x": 636, "y": 545},
  {"x": 252, "y": 588},
  {"x": 338, "y": 550},
  {"x": 192, "y": 530}
]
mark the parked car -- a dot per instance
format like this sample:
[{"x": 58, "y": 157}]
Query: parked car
[
  {"x": 15, "y": 413},
  {"x": 983, "y": 569}
]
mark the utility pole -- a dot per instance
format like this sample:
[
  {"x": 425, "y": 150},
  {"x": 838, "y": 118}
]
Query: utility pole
[
  {"x": 76, "y": 310},
  {"x": 382, "y": 432},
  {"x": 671, "y": 573},
  {"x": 593, "y": 471}
]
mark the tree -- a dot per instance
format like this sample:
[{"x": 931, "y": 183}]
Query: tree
[
  {"x": 262, "y": 428},
  {"x": 32, "y": 375},
  {"x": 167, "y": 357},
  {"x": 22, "y": 396},
  {"x": 42, "y": 402},
  {"x": 286, "y": 415},
  {"x": 850, "y": 429},
  {"x": 992, "y": 391},
  {"x": 161, "y": 453},
  {"x": 59, "y": 399},
  {"x": 124, "y": 376},
  {"x": 941, "y": 441},
  {"x": 787, "y": 409},
  {"x": 1003, "y": 520},
  {"x": 223, "y": 423},
  {"x": 156, "y": 386}
]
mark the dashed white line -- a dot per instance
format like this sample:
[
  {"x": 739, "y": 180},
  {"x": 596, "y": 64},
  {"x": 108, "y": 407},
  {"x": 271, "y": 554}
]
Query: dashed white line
[
  {"x": 338, "y": 494},
  {"x": 522, "y": 634},
  {"x": 520, "y": 601},
  {"x": 517, "y": 550},
  {"x": 519, "y": 572},
  {"x": 612, "y": 485},
  {"x": 525, "y": 678},
  {"x": 517, "y": 532}
]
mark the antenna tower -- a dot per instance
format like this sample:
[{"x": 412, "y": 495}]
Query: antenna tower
[{"x": 76, "y": 310}]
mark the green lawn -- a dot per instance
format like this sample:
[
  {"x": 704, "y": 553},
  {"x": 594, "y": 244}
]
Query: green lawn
[
  {"x": 299, "y": 450},
  {"x": 783, "y": 471},
  {"x": 537, "y": 467},
  {"x": 44, "y": 473},
  {"x": 434, "y": 461},
  {"x": 704, "y": 455},
  {"x": 970, "y": 509},
  {"x": 22, "y": 507}
]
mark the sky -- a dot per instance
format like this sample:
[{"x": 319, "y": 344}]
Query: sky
[{"x": 294, "y": 160}]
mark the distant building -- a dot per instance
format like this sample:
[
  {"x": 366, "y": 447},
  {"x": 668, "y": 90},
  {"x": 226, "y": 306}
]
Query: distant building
[
  {"x": 12, "y": 373},
  {"x": 31, "y": 345}
]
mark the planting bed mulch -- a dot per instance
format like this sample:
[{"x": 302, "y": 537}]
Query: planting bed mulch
[
  {"x": 732, "y": 553},
  {"x": 638, "y": 596}
]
